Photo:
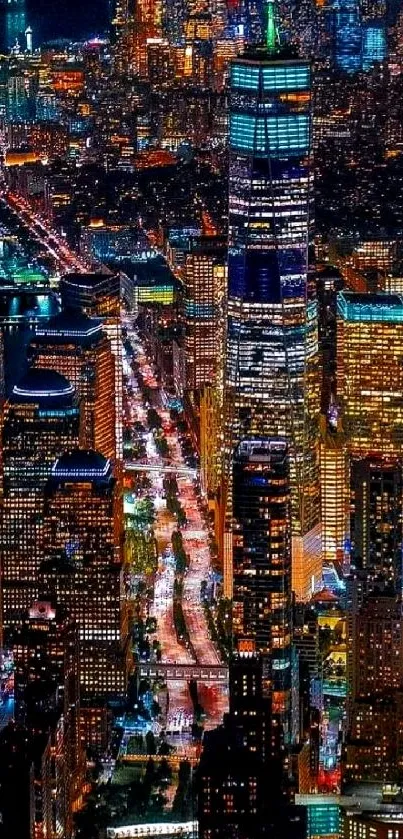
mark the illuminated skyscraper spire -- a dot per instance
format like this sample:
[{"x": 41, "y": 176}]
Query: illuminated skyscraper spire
[
  {"x": 272, "y": 33},
  {"x": 271, "y": 388}
]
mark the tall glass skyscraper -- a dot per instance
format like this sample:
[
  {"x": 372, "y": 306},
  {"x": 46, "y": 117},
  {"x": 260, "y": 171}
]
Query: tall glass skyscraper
[
  {"x": 262, "y": 563},
  {"x": 272, "y": 349},
  {"x": 374, "y": 46},
  {"x": 347, "y": 35}
]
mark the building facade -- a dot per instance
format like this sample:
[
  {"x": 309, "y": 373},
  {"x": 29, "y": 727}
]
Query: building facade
[
  {"x": 204, "y": 290},
  {"x": 83, "y": 567},
  {"x": 77, "y": 347},
  {"x": 99, "y": 296},
  {"x": 41, "y": 420},
  {"x": 370, "y": 373},
  {"x": 262, "y": 562},
  {"x": 272, "y": 333}
]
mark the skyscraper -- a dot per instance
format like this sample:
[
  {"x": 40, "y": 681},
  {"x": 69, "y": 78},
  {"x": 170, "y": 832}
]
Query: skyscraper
[
  {"x": 272, "y": 345},
  {"x": 47, "y": 692},
  {"x": 82, "y": 567},
  {"x": 205, "y": 280},
  {"x": 374, "y": 44},
  {"x": 347, "y": 34},
  {"x": 77, "y": 347},
  {"x": 369, "y": 392},
  {"x": 240, "y": 773},
  {"x": 262, "y": 562},
  {"x": 374, "y": 744},
  {"x": 335, "y": 495},
  {"x": 98, "y": 296},
  {"x": 41, "y": 420},
  {"x": 204, "y": 289},
  {"x": 370, "y": 373},
  {"x": 376, "y": 520}
]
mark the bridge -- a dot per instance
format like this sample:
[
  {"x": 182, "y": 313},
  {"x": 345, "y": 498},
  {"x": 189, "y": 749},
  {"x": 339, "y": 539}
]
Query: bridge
[
  {"x": 173, "y": 672},
  {"x": 183, "y": 829},
  {"x": 184, "y": 471}
]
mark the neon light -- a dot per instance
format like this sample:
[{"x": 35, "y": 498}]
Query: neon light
[
  {"x": 153, "y": 829},
  {"x": 81, "y": 471},
  {"x": 270, "y": 135},
  {"x": 370, "y": 307},
  {"x": 275, "y": 77},
  {"x": 272, "y": 34},
  {"x": 21, "y": 391},
  {"x": 69, "y": 333}
]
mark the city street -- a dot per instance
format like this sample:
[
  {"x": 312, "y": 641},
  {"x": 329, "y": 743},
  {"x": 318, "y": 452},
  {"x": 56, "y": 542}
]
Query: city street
[
  {"x": 65, "y": 258},
  {"x": 196, "y": 545}
]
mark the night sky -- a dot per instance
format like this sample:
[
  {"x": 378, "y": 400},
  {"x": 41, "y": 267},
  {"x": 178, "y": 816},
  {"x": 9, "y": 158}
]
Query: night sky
[{"x": 57, "y": 19}]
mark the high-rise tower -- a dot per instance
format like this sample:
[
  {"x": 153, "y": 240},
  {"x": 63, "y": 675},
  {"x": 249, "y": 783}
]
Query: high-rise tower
[
  {"x": 41, "y": 421},
  {"x": 262, "y": 563},
  {"x": 77, "y": 347},
  {"x": 98, "y": 295},
  {"x": 272, "y": 348},
  {"x": 347, "y": 35},
  {"x": 83, "y": 567}
]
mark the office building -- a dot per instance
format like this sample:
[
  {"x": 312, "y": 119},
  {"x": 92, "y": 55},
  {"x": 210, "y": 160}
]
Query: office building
[
  {"x": 328, "y": 283},
  {"x": 77, "y": 347},
  {"x": 99, "y": 296},
  {"x": 262, "y": 563},
  {"x": 82, "y": 568},
  {"x": 373, "y": 749},
  {"x": 335, "y": 495},
  {"x": 41, "y": 420},
  {"x": 19, "y": 314},
  {"x": 272, "y": 344},
  {"x": 347, "y": 35},
  {"x": 238, "y": 778},
  {"x": 370, "y": 373},
  {"x": 47, "y": 700},
  {"x": 376, "y": 520},
  {"x": 371, "y": 825},
  {"x": 323, "y": 815},
  {"x": 306, "y": 639},
  {"x": 211, "y": 440},
  {"x": 204, "y": 279}
]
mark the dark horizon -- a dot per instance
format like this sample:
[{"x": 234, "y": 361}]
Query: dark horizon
[{"x": 71, "y": 19}]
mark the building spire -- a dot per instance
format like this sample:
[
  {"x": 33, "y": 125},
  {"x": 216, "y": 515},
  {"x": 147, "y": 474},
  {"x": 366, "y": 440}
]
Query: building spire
[{"x": 272, "y": 33}]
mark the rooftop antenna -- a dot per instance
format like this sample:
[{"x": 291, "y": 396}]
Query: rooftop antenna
[{"x": 272, "y": 32}]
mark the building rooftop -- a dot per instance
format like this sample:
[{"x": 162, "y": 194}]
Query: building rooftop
[
  {"x": 262, "y": 450},
  {"x": 259, "y": 54},
  {"x": 82, "y": 465},
  {"x": 355, "y": 306},
  {"x": 44, "y": 387},
  {"x": 88, "y": 280},
  {"x": 71, "y": 325},
  {"x": 324, "y": 596}
]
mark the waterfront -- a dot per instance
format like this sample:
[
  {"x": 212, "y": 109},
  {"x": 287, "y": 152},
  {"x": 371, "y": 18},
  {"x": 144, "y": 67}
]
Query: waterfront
[{"x": 62, "y": 19}]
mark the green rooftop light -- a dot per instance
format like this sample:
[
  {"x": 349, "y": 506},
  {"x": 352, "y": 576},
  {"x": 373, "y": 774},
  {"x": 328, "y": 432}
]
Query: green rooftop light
[{"x": 272, "y": 33}]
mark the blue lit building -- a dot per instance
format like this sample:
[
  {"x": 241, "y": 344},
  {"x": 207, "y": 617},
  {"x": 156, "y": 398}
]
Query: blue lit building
[
  {"x": 347, "y": 35},
  {"x": 374, "y": 47},
  {"x": 358, "y": 41},
  {"x": 247, "y": 17},
  {"x": 324, "y": 815},
  {"x": 271, "y": 368}
]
